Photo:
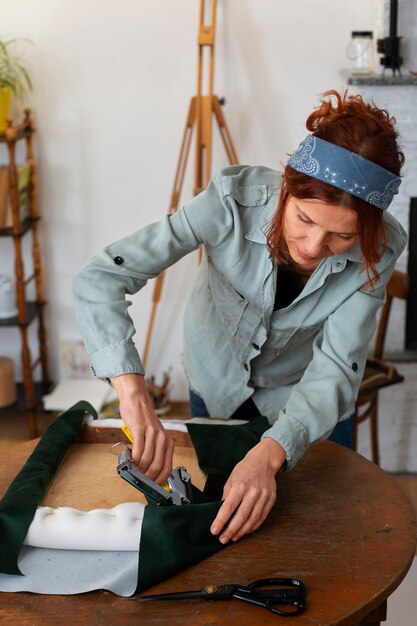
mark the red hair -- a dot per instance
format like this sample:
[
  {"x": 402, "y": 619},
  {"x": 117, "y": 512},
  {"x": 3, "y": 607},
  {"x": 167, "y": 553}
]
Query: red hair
[{"x": 359, "y": 127}]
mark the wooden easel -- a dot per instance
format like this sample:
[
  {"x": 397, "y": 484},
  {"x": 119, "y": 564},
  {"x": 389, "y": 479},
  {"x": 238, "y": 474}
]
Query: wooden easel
[{"x": 200, "y": 115}]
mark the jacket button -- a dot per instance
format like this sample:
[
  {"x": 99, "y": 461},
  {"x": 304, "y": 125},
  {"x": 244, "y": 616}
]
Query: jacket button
[
  {"x": 246, "y": 366},
  {"x": 118, "y": 260},
  {"x": 255, "y": 345},
  {"x": 355, "y": 367}
]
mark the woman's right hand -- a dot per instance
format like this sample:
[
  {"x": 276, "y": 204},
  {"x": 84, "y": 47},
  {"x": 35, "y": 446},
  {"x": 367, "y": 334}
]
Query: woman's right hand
[{"x": 152, "y": 446}]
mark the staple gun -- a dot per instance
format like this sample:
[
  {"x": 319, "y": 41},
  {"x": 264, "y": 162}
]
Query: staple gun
[{"x": 177, "y": 491}]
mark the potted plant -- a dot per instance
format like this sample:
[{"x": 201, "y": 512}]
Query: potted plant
[{"x": 14, "y": 78}]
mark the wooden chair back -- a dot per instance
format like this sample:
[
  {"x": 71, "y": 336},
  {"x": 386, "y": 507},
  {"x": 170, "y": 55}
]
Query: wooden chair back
[
  {"x": 378, "y": 372},
  {"x": 398, "y": 287}
]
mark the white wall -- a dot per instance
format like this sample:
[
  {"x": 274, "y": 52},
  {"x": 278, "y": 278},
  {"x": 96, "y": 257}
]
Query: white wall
[{"x": 113, "y": 81}]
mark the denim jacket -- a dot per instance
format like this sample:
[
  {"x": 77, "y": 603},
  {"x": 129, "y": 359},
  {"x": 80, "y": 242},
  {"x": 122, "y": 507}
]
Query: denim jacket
[{"x": 302, "y": 365}]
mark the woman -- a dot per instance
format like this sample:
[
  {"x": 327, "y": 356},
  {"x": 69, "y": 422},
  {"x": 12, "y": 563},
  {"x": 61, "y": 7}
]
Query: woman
[{"x": 284, "y": 304}]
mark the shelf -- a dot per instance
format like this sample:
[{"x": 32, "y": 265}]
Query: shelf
[
  {"x": 383, "y": 80},
  {"x": 30, "y": 307},
  {"x": 21, "y": 131},
  {"x": 26, "y": 225},
  {"x": 32, "y": 311}
]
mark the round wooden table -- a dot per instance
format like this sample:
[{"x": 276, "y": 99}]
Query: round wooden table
[{"x": 341, "y": 524}]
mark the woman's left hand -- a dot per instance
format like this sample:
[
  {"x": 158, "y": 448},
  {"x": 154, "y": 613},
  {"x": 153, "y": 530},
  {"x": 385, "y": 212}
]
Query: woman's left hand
[{"x": 250, "y": 491}]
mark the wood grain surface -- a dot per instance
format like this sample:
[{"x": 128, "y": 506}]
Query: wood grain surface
[
  {"x": 341, "y": 524},
  {"x": 88, "y": 479}
]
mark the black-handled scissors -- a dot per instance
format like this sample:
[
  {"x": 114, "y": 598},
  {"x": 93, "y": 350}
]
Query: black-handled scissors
[{"x": 282, "y": 596}]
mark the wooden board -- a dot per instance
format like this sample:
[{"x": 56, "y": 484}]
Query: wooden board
[{"x": 88, "y": 479}]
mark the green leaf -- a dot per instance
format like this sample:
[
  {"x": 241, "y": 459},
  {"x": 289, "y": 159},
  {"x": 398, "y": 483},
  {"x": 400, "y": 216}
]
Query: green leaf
[{"x": 13, "y": 71}]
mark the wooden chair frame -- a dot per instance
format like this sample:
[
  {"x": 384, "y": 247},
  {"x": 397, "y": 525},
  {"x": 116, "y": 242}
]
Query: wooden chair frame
[{"x": 378, "y": 372}]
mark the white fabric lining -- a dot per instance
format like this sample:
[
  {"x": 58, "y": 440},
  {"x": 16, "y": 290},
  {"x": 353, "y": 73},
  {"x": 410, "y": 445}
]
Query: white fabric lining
[
  {"x": 65, "y": 528},
  {"x": 169, "y": 424},
  {"x": 67, "y": 572}
]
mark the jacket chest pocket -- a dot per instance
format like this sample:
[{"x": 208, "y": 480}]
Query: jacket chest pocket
[
  {"x": 291, "y": 338},
  {"x": 228, "y": 302}
]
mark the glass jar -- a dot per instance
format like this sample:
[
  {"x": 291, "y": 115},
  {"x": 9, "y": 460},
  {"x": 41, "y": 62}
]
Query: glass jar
[{"x": 361, "y": 52}]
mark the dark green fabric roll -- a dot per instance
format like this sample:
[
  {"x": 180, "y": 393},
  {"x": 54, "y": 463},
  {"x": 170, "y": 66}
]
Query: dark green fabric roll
[{"x": 18, "y": 506}]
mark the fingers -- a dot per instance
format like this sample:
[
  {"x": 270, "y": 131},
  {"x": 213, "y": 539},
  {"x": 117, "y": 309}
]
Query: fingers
[
  {"x": 245, "y": 512},
  {"x": 226, "y": 511},
  {"x": 250, "y": 491},
  {"x": 239, "y": 526},
  {"x": 152, "y": 446},
  {"x": 167, "y": 464},
  {"x": 152, "y": 453}
]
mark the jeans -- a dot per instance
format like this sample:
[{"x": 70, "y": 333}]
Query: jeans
[{"x": 342, "y": 432}]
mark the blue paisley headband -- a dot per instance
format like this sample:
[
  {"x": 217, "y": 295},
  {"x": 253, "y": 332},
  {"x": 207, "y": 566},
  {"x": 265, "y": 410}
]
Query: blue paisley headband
[{"x": 345, "y": 170}]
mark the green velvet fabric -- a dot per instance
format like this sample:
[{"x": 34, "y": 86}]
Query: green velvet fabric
[
  {"x": 220, "y": 448},
  {"x": 18, "y": 506},
  {"x": 174, "y": 538}
]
